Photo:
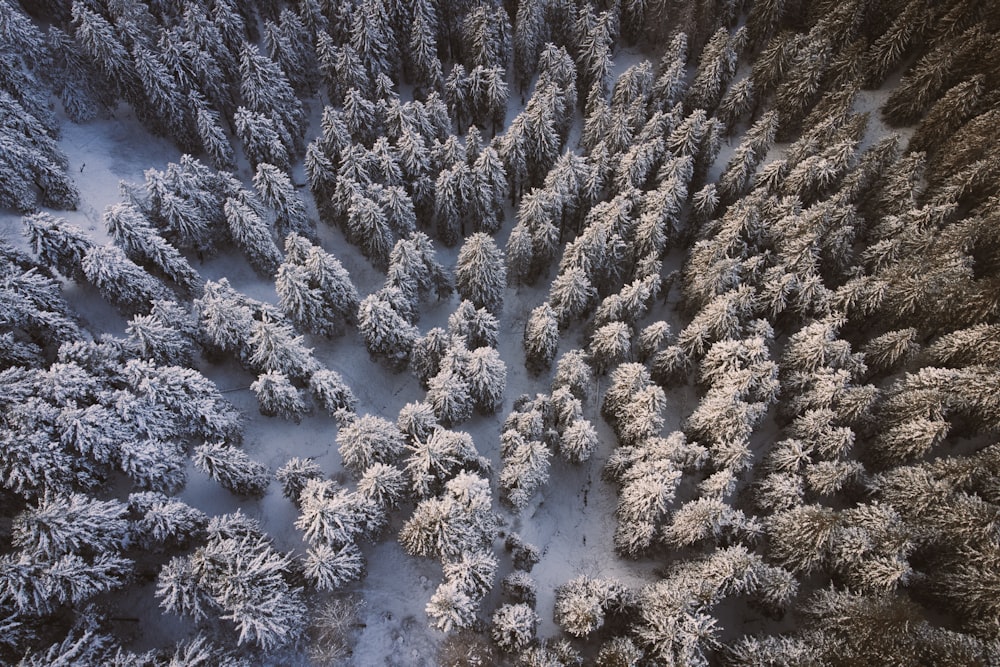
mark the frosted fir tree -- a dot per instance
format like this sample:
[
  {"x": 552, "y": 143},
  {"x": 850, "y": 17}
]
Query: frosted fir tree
[
  {"x": 294, "y": 474},
  {"x": 383, "y": 487},
  {"x": 514, "y": 626},
  {"x": 72, "y": 524},
  {"x": 121, "y": 281},
  {"x": 278, "y": 397},
  {"x": 541, "y": 337},
  {"x": 520, "y": 587},
  {"x": 582, "y": 604},
  {"x": 477, "y": 326},
  {"x": 369, "y": 228},
  {"x": 385, "y": 332},
  {"x": 153, "y": 464},
  {"x": 571, "y": 296},
  {"x": 301, "y": 302},
  {"x": 330, "y": 391},
  {"x": 225, "y": 316},
  {"x": 134, "y": 233},
  {"x": 434, "y": 460},
  {"x": 277, "y": 192},
  {"x": 450, "y": 608},
  {"x": 449, "y": 394},
  {"x": 737, "y": 176},
  {"x": 243, "y": 579},
  {"x": 262, "y": 142},
  {"x": 574, "y": 373},
  {"x": 331, "y": 568},
  {"x": 578, "y": 441},
  {"x": 480, "y": 274},
  {"x": 265, "y": 90},
  {"x": 366, "y": 440},
  {"x": 330, "y": 515},
  {"x": 165, "y": 522},
  {"x": 428, "y": 350},
  {"x": 214, "y": 141},
  {"x": 525, "y": 470},
  {"x": 486, "y": 375},
  {"x": 459, "y": 520},
  {"x": 716, "y": 67},
  {"x": 423, "y": 61},
  {"x": 160, "y": 341},
  {"x": 474, "y": 571},
  {"x": 58, "y": 244},
  {"x": 232, "y": 468},
  {"x": 275, "y": 347},
  {"x": 416, "y": 420},
  {"x": 252, "y": 235},
  {"x": 610, "y": 345}
]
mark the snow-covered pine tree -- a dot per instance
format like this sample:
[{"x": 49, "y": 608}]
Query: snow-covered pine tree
[
  {"x": 58, "y": 244},
  {"x": 275, "y": 347},
  {"x": 165, "y": 522},
  {"x": 71, "y": 524},
  {"x": 582, "y": 604},
  {"x": 367, "y": 440},
  {"x": 480, "y": 274},
  {"x": 525, "y": 470},
  {"x": 294, "y": 474},
  {"x": 265, "y": 90},
  {"x": 232, "y": 468},
  {"x": 386, "y": 333},
  {"x": 437, "y": 458},
  {"x": 276, "y": 191},
  {"x": 252, "y": 235},
  {"x": 261, "y": 139},
  {"x": 278, "y": 397},
  {"x": 486, "y": 375},
  {"x": 121, "y": 281},
  {"x": 541, "y": 338},
  {"x": 514, "y": 626},
  {"x": 134, "y": 233}
]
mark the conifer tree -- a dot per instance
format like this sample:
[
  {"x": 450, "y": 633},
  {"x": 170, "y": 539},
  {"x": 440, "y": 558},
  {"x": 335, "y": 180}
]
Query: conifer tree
[
  {"x": 121, "y": 281},
  {"x": 276, "y": 191},
  {"x": 58, "y": 244},
  {"x": 541, "y": 337},
  {"x": 367, "y": 440},
  {"x": 232, "y": 468},
  {"x": 480, "y": 275},
  {"x": 278, "y": 397}
]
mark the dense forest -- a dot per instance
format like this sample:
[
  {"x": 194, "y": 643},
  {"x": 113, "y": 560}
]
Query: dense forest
[{"x": 731, "y": 265}]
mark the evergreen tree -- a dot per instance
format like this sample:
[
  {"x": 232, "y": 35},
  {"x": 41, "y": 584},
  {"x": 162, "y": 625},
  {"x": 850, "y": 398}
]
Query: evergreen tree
[
  {"x": 232, "y": 468},
  {"x": 265, "y": 90},
  {"x": 277, "y": 396},
  {"x": 480, "y": 275},
  {"x": 525, "y": 470},
  {"x": 541, "y": 338},
  {"x": 73, "y": 524},
  {"x": 385, "y": 332},
  {"x": 513, "y": 626},
  {"x": 486, "y": 375},
  {"x": 58, "y": 244},
  {"x": 367, "y": 440},
  {"x": 133, "y": 232},
  {"x": 262, "y": 142},
  {"x": 276, "y": 191},
  {"x": 252, "y": 235},
  {"x": 294, "y": 474},
  {"x": 120, "y": 280}
]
